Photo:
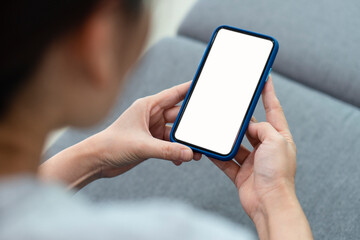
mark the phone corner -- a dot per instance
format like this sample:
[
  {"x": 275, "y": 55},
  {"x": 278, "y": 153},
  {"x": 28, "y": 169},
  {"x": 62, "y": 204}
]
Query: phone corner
[
  {"x": 221, "y": 27},
  {"x": 273, "y": 53},
  {"x": 276, "y": 44}
]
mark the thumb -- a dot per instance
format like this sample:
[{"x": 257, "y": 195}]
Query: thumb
[{"x": 170, "y": 151}]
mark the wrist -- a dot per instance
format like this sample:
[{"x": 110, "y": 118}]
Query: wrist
[
  {"x": 96, "y": 152},
  {"x": 280, "y": 215},
  {"x": 93, "y": 150},
  {"x": 274, "y": 205},
  {"x": 108, "y": 156},
  {"x": 279, "y": 198},
  {"x": 75, "y": 166}
]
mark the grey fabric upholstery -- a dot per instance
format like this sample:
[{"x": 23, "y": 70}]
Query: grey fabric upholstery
[
  {"x": 319, "y": 40},
  {"x": 325, "y": 129}
]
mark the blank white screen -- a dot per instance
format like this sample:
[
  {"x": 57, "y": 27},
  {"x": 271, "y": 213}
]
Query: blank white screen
[{"x": 224, "y": 90}]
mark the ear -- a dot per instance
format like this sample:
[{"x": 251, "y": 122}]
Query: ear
[{"x": 94, "y": 46}]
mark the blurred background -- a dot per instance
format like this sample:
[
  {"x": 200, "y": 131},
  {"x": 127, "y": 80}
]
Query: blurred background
[
  {"x": 166, "y": 17},
  {"x": 316, "y": 77}
]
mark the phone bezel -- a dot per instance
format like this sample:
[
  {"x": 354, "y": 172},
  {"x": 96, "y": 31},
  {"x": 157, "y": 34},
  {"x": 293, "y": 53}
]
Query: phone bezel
[{"x": 250, "y": 109}]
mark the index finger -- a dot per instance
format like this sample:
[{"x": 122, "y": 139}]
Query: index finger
[
  {"x": 274, "y": 112},
  {"x": 230, "y": 168},
  {"x": 170, "y": 97}
]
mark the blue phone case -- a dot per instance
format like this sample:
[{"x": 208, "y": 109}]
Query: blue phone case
[{"x": 252, "y": 106}]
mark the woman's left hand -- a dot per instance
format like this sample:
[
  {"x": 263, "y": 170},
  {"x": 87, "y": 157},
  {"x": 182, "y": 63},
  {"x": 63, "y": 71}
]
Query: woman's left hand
[{"x": 141, "y": 132}]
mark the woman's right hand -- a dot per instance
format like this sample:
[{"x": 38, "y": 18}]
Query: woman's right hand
[{"x": 266, "y": 177}]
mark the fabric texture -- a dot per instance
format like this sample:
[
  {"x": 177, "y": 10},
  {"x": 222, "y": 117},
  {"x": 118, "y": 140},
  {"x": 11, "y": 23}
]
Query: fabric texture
[
  {"x": 325, "y": 130},
  {"x": 318, "y": 39},
  {"x": 33, "y": 210}
]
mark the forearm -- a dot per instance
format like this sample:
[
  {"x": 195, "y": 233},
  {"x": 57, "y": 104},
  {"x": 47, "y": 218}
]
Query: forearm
[
  {"x": 282, "y": 217},
  {"x": 76, "y": 166}
]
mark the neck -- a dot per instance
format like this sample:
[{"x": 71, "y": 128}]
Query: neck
[{"x": 22, "y": 138}]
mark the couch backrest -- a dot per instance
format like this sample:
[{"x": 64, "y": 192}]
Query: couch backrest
[{"x": 319, "y": 40}]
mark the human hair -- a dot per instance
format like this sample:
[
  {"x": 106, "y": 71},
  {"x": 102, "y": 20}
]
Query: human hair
[{"x": 28, "y": 27}]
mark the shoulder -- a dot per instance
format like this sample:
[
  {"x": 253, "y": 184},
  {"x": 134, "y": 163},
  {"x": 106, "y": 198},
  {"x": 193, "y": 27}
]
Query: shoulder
[
  {"x": 49, "y": 212},
  {"x": 164, "y": 219}
]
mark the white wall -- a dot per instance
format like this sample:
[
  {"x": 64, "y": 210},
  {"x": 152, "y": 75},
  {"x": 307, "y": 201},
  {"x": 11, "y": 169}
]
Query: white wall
[{"x": 166, "y": 17}]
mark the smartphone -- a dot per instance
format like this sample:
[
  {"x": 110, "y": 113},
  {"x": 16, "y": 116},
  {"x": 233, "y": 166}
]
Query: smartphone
[{"x": 222, "y": 97}]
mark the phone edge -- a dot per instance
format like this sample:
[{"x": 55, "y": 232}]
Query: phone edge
[{"x": 252, "y": 106}]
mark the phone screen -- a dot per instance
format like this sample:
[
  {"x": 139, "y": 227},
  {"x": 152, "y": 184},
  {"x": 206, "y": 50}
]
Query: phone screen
[{"x": 224, "y": 88}]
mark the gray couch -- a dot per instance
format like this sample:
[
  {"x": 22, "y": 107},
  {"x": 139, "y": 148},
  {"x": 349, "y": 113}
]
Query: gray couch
[{"x": 316, "y": 76}]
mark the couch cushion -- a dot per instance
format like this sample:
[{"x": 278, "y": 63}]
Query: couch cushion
[
  {"x": 319, "y": 40},
  {"x": 326, "y": 132}
]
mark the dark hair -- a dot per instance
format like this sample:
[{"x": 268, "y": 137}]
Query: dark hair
[{"x": 28, "y": 27}]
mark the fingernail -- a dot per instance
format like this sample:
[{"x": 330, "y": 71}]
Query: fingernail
[{"x": 186, "y": 154}]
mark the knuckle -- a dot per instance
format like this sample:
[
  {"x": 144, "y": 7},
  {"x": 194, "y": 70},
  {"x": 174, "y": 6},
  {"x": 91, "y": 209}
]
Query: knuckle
[
  {"x": 283, "y": 141},
  {"x": 164, "y": 93},
  {"x": 264, "y": 125},
  {"x": 261, "y": 124},
  {"x": 178, "y": 94},
  {"x": 277, "y": 102},
  {"x": 277, "y": 140},
  {"x": 166, "y": 152},
  {"x": 142, "y": 102},
  {"x": 139, "y": 101},
  {"x": 276, "y": 106},
  {"x": 287, "y": 136}
]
